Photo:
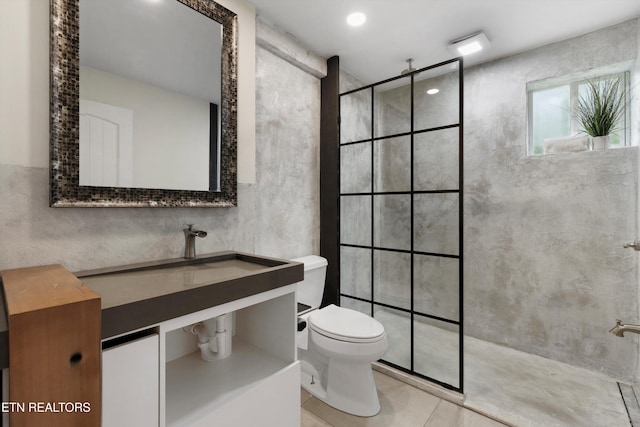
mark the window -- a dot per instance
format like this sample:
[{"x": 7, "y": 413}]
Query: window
[{"x": 551, "y": 106}]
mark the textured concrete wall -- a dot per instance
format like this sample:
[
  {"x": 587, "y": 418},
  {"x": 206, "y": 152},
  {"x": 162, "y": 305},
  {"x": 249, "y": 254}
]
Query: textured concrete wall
[
  {"x": 79, "y": 239},
  {"x": 545, "y": 270},
  {"x": 31, "y": 233},
  {"x": 288, "y": 158}
]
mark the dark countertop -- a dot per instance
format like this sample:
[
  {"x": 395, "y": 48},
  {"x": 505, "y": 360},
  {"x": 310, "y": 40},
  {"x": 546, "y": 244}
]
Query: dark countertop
[{"x": 140, "y": 295}]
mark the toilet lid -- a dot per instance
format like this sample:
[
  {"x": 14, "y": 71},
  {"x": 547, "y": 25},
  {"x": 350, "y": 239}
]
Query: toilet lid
[{"x": 345, "y": 325}]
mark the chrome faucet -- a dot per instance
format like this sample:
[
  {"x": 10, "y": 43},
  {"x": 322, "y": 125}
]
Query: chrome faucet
[
  {"x": 190, "y": 235},
  {"x": 620, "y": 329},
  {"x": 633, "y": 245}
]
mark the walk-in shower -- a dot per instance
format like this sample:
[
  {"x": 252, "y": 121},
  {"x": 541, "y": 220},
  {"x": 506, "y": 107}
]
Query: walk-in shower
[{"x": 401, "y": 216}]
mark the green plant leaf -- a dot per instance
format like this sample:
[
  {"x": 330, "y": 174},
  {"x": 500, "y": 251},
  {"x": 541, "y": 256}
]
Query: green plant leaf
[{"x": 600, "y": 109}]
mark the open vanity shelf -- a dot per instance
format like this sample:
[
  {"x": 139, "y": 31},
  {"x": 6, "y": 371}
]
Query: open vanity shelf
[
  {"x": 262, "y": 357},
  {"x": 193, "y": 391}
]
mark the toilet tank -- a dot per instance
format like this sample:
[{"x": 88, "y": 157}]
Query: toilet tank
[{"x": 310, "y": 290}]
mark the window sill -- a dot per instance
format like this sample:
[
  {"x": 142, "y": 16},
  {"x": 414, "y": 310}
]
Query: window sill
[{"x": 577, "y": 152}]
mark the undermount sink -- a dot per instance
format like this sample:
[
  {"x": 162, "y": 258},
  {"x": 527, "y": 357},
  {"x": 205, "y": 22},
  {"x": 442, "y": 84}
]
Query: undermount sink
[{"x": 136, "y": 295}]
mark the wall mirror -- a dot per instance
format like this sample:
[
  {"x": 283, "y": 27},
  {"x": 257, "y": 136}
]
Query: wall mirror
[{"x": 143, "y": 103}]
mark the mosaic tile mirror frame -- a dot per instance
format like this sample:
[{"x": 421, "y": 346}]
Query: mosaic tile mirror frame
[{"x": 65, "y": 190}]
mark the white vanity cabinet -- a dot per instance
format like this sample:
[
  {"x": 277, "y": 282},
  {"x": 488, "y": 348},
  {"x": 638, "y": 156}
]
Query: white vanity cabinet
[
  {"x": 130, "y": 382},
  {"x": 257, "y": 385}
]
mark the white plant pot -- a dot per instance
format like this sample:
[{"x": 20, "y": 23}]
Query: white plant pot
[{"x": 600, "y": 142}]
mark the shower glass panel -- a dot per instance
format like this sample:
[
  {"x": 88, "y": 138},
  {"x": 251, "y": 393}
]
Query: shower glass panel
[
  {"x": 355, "y": 264},
  {"x": 392, "y": 275},
  {"x": 390, "y": 159},
  {"x": 435, "y": 160},
  {"x": 355, "y": 220},
  {"x": 392, "y": 223},
  {"x": 355, "y": 304},
  {"x": 436, "y": 223},
  {"x": 355, "y": 108},
  {"x": 436, "y": 286},
  {"x": 392, "y": 109},
  {"x": 434, "y": 109},
  {"x": 440, "y": 360},
  {"x": 401, "y": 257},
  {"x": 355, "y": 173},
  {"x": 397, "y": 325}
]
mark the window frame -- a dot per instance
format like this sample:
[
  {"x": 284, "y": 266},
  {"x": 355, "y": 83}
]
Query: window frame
[{"x": 574, "y": 81}]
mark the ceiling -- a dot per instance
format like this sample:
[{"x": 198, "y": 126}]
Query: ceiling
[
  {"x": 163, "y": 43},
  {"x": 421, "y": 29}
]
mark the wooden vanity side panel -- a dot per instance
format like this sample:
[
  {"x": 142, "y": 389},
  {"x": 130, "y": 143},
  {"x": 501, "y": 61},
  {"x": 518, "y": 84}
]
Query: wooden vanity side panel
[{"x": 54, "y": 348}]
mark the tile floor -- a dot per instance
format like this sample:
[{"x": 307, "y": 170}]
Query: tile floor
[{"x": 402, "y": 405}]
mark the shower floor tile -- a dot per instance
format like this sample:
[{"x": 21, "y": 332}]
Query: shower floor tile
[
  {"x": 517, "y": 388},
  {"x": 528, "y": 390}
]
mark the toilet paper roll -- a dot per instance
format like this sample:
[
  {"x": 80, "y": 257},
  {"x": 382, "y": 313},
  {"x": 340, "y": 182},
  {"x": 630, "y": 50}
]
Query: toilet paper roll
[{"x": 302, "y": 338}]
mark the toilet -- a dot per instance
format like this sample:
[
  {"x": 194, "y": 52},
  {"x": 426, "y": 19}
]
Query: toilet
[{"x": 336, "y": 347}]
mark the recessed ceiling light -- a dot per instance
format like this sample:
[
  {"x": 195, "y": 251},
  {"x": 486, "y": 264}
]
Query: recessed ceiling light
[
  {"x": 433, "y": 91},
  {"x": 356, "y": 19},
  {"x": 469, "y": 44}
]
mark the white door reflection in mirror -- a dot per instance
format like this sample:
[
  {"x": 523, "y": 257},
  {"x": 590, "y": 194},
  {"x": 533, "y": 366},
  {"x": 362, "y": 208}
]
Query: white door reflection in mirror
[{"x": 106, "y": 151}]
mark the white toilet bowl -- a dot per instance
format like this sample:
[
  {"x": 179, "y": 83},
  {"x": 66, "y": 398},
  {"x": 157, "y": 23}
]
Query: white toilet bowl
[
  {"x": 337, "y": 347},
  {"x": 336, "y": 367}
]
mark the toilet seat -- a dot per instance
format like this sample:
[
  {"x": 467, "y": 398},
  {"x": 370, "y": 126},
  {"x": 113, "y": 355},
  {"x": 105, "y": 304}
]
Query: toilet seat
[{"x": 347, "y": 325}]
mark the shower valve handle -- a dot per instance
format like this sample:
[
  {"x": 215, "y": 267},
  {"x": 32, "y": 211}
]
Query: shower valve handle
[{"x": 635, "y": 245}]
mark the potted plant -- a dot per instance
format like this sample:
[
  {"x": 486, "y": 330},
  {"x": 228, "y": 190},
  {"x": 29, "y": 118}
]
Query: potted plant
[{"x": 599, "y": 110}]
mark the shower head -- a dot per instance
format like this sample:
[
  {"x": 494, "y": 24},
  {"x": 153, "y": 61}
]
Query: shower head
[{"x": 410, "y": 68}]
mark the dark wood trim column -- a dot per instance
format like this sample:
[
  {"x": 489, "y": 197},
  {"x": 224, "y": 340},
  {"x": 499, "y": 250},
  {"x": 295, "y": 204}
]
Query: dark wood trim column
[{"x": 330, "y": 178}]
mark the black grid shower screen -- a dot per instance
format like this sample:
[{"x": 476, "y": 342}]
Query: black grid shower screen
[{"x": 401, "y": 213}]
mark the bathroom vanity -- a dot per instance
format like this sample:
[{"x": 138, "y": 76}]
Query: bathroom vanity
[{"x": 152, "y": 370}]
